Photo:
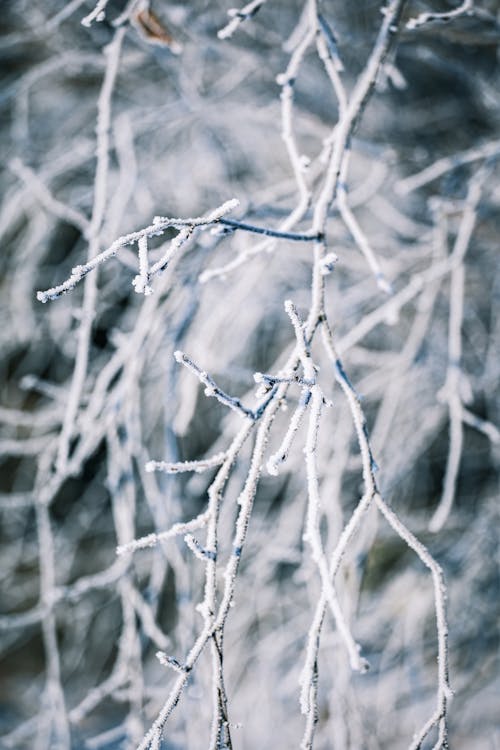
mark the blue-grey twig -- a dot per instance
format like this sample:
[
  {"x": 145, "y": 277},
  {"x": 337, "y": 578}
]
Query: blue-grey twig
[
  {"x": 211, "y": 387},
  {"x": 294, "y": 236},
  {"x": 213, "y": 390}
]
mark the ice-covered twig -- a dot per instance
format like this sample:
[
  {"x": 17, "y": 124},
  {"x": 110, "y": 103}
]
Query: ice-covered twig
[
  {"x": 112, "y": 54},
  {"x": 313, "y": 537},
  {"x": 281, "y": 454},
  {"x": 98, "y": 14},
  {"x": 180, "y": 466},
  {"x": 141, "y": 282},
  {"x": 482, "y": 425},
  {"x": 214, "y": 622},
  {"x": 177, "y": 242},
  {"x": 202, "y": 553},
  {"x": 302, "y": 344},
  {"x": 211, "y": 388},
  {"x": 153, "y": 230},
  {"x": 339, "y": 143},
  {"x": 238, "y": 16},
  {"x": 424, "y": 18},
  {"x": 268, "y": 380},
  {"x": 371, "y": 493},
  {"x": 151, "y": 540},
  {"x": 328, "y": 53},
  {"x": 444, "y": 692},
  {"x": 267, "y": 245},
  {"x": 357, "y": 101},
  {"x": 437, "y": 575},
  {"x": 298, "y": 162},
  {"x": 331, "y": 42},
  {"x": 170, "y": 661}
]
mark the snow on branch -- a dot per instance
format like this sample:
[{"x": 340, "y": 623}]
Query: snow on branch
[
  {"x": 157, "y": 228},
  {"x": 467, "y": 8},
  {"x": 238, "y": 16}
]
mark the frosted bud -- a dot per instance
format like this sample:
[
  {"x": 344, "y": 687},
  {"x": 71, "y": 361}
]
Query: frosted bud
[
  {"x": 272, "y": 467},
  {"x": 328, "y": 264},
  {"x": 203, "y": 609}
]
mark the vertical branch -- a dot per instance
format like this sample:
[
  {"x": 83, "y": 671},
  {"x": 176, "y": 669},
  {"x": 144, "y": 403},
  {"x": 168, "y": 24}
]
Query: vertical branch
[
  {"x": 453, "y": 378},
  {"x": 298, "y": 162},
  {"x": 220, "y": 722},
  {"x": 112, "y": 52},
  {"x": 57, "y": 716},
  {"x": 141, "y": 282},
  {"x": 313, "y": 536},
  {"x": 356, "y": 231},
  {"x": 357, "y": 102},
  {"x": 444, "y": 692}
]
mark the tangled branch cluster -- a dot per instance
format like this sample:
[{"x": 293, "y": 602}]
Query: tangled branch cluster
[{"x": 200, "y": 569}]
